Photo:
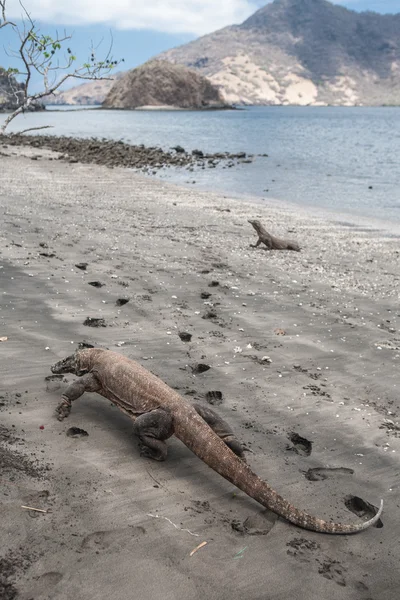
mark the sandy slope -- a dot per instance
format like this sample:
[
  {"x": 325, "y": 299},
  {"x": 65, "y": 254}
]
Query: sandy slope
[{"x": 332, "y": 380}]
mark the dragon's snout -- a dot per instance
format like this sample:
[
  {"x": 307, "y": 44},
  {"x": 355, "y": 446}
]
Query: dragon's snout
[
  {"x": 56, "y": 369},
  {"x": 67, "y": 365}
]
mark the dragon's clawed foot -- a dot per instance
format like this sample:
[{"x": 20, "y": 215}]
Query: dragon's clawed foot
[{"x": 63, "y": 410}]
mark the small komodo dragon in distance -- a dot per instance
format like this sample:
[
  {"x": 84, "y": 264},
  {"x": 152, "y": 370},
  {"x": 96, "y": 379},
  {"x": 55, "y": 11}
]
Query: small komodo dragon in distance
[
  {"x": 159, "y": 412},
  {"x": 270, "y": 241}
]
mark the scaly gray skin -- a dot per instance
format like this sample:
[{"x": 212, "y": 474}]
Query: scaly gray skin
[
  {"x": 271, "y": 242},
  {"x": 159, "y": 412}
]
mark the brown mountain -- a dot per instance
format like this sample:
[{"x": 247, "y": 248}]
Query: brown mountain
[
  {"x": 301, "y": 52},
  {"x": 163, "y": 84},
  {"x": 295, "y": 52}
]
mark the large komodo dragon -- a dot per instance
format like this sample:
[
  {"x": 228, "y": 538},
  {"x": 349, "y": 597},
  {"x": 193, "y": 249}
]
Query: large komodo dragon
[
  {"x": 159, "y": 412},
  {"x": 271, "y": 242}
]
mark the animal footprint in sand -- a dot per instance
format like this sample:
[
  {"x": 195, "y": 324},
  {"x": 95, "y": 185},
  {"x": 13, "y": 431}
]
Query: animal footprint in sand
[
  {"x": 361, "y": 508},
  {"x": 102, "y": 540},
  {"x": 321, "y": 473},
  {"x": 332, "y": 569},
  {"x": 302, "y": 549},
  {"x": 258, "y": 524},
  {"x": 300, "y": 445},
  {"x": 214, "y": 397}
]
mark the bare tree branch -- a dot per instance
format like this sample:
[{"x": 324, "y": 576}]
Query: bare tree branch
[
  {"x": 32, "y": 129},
  {"x": 40, "y": 53},
  {"x": 3, "y": 19}
]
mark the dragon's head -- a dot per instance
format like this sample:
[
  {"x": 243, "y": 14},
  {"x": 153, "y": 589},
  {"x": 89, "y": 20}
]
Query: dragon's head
[
  {"x": 78, "y": 363},
  {"x": 67, "y": 365},
  {"x": 256, "y": 224}
]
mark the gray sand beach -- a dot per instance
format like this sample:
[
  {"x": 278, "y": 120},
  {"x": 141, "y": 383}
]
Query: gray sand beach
[{"x": 303, "y": 349}]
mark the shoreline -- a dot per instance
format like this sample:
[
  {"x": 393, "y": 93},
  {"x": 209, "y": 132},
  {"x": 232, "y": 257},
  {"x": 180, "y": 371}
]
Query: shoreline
[
  {"x": 155, "y": 161},
  {"x": 328, "y": 320},
  {"x": 354, "y": 221}
]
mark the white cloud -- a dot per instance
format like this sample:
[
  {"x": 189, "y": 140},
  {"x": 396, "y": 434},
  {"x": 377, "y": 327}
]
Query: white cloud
[{"x": 173, "y": 16}]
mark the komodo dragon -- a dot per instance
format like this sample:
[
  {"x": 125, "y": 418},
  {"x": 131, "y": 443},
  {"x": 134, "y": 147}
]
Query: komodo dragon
[
  {"x": 159, "y": 412},
  {"x": 270, "y": 241}
]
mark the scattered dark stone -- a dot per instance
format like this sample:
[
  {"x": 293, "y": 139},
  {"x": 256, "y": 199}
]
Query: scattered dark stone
[
  {"x": 116, "y": 153},
  {"x": 76, "y": 432},
  {"x": 122, "y": 301},
  {"x": 214, "y": 397},
  {"x": 96, "y": 284},
  {"x": 178, "y": 149},
  {"x": 213, "y": 284},
  {"x": 82, "y": 266},
  {"x": 205, "y": 271},
  {"x": 370, "y": 187},
  {"x": 200, "y": 368},
  {"x": 94, "y": 322},
  {"x": 210, "y": 314},
  {"x": 47, "y": 254},
  {"x": 185, "y": 337},
  {"x": 300, "y": 445},
  {"x": 84, "y": 344},
  {"x": 205, "y": 295},
  {"x": 43, "y": 245},
  {"x": 361, "y": 508}
]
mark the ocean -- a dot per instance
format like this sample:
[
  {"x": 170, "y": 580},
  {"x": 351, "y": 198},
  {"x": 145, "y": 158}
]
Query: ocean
[{"x": 337, "y": 158}]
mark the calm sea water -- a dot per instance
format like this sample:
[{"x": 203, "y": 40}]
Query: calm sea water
[{"x": 325, "y": 157}]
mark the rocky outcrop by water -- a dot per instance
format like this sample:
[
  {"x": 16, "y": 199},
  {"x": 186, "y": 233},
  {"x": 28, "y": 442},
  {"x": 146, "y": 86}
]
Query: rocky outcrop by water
[
  {"x": 164, "y": 85},
  {"x": 118, "y": 154}
]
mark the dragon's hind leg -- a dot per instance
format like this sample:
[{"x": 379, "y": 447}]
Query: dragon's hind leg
[
  {"x": 220, "y": 427},
  {"x": 152, "y": 429}
]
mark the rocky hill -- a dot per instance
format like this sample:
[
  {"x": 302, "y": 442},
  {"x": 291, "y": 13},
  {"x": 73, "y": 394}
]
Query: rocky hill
[
  {"x": 301, "y": 52},
  {"x": 11, "y": 94},
  {"x": 163, "y": 85},
  {"x": 9, "y": 91}
]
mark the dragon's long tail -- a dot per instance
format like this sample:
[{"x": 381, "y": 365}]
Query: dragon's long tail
[{"x": 203, "y": 442}]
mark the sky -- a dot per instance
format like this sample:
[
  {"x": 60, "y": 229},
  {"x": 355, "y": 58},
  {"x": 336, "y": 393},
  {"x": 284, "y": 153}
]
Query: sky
[{"x": 141, "y": 28}]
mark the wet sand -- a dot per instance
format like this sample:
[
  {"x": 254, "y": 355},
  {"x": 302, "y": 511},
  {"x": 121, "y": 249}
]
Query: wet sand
[{"x": 120, "y": 526}]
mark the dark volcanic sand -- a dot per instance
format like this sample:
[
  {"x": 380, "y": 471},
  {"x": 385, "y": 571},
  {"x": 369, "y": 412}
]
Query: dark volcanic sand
[{"x": 318, "y": 406}]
